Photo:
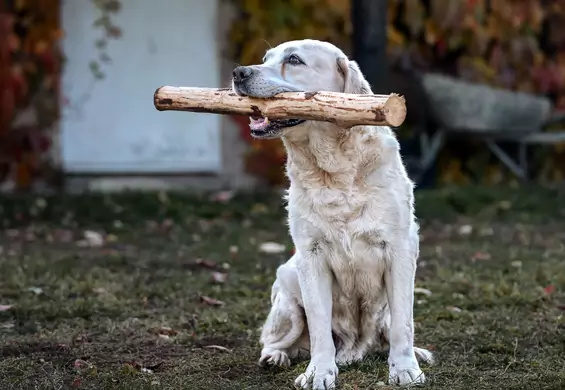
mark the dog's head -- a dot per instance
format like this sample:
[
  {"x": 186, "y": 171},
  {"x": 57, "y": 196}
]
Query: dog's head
[{"x": 297, "y": 66}]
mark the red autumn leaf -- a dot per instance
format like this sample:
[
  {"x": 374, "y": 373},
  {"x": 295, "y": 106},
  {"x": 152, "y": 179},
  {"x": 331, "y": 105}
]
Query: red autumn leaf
[{"x": 549, "y": 289}]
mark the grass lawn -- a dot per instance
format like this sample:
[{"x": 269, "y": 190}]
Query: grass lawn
[{"x": 174, "y": 295}]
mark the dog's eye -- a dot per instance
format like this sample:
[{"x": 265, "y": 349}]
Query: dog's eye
[{"x": 293, "y": 59}]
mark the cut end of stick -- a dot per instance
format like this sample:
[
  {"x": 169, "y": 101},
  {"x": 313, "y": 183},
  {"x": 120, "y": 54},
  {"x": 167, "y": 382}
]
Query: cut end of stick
[
  {"x": 395, "y": 110},
  {"x": 160, "y": 102}
]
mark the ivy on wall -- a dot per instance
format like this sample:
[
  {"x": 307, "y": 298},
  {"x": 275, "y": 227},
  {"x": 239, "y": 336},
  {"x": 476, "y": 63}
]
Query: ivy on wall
[{"x": 30, "y": 69}]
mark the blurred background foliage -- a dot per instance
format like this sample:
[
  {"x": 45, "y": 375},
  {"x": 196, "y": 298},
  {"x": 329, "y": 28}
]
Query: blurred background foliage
[{"x": 514, "y": 44}]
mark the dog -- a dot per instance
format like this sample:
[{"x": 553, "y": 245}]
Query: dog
[{"x": 349, "y": 288}]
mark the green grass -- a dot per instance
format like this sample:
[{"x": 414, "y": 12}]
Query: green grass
[{"x": 109, "y": 309}]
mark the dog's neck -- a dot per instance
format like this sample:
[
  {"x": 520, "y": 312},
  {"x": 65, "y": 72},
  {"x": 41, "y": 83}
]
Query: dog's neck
[{"x": 322, "y": 155}]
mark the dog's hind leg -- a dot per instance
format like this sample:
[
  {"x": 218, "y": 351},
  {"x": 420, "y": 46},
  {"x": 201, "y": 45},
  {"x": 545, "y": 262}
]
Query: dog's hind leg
[{"x": 285, "y": 322}]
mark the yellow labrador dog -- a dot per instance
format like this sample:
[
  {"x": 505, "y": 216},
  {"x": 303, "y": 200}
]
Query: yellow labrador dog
[{"x": 349, "y": 288}]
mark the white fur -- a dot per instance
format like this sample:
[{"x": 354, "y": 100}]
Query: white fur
[{"x": 351, "y": 217}]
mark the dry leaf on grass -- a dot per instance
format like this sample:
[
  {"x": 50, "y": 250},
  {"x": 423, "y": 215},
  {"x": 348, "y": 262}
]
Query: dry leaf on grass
[
  {"x": 465, "y": 230},
  {"x": 481, "y": 256},
  {"x": 211, "y": 301},
  {"x": 79, "y": 363},
  {"x": 218, "y": 347},
  {"x": 219, "y": 277},
  {"x": 206, "y": 263},
  {"x": 549, "y": 289},
  {"x": 424, "y": 291},
  {"x": 5, "y": 307},
  {"x": 91, "y": 239},
  {"x": 165, "y": 330},
  {"x": 35, "y": 290},
  {"x": 271, "y": 247}
]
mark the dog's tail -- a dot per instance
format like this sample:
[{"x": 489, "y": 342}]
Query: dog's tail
[{"x": 424, "y": 356}]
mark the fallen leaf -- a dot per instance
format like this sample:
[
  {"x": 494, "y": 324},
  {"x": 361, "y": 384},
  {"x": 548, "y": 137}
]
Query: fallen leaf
[
  {"x": 549, "y": 289},
  {"x": 133, "y": 364},
  {"x": 76, "y": 383},
  {"x": 99, "y": 290},
  {"x": 465, "y": 230},
  {"x": 420, "y": 290},
  {"x": 234, "y": 249},
  {"x": 211, "y": 301},
  {"x": 164, "y": 336},
  {"x": 271, "y": 247},
  {"x": 206, "y": 263},
  {"x": 481, "y": 256},
  {"x": 218, "y": 347},
  {"x": 516, "y": 264},
  {"x": 155, "y": 366},
  {"x": 5, "y": 307},
  {"x": 454, "y": 309},
  {"x": 92, "y": 239},
  {"x": 165, "y": 330},
  {"x": 79, "y": 363},
  {"x": 219, "y": 277},
  {"x": 35, "y": 290}
]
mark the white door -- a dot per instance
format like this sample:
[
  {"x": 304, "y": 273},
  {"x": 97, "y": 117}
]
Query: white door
[{"x": 111, "y": 125}]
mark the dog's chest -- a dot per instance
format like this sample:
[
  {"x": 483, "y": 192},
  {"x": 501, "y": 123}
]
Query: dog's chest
[{"x": 351, "y": 224}]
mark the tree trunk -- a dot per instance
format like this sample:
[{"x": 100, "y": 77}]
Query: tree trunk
[{"x": 369, "y": 19}]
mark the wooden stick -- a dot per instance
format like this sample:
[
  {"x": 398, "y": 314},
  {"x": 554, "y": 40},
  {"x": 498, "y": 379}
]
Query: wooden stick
[{"x": 340, "y": 108}]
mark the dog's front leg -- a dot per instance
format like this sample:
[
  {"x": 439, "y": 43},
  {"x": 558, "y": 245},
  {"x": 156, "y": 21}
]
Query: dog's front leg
[
  {"x": 399, "y": 279},
  {"x": 315, "y": 281}
]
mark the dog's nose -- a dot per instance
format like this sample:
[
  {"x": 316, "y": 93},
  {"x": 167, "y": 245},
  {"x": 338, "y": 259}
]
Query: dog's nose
[{"x": 242, "y": 73}]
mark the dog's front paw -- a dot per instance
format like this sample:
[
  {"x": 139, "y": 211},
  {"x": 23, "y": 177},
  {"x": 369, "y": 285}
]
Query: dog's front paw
[
  {"x": 274, "y": 357},
  {"x": 348, "y": 355},
  {"x": 406, "y": 374},
  {"x": 320, "y": 375}
]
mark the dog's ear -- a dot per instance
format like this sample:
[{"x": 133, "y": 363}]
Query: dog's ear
[{"x": 354, "y": 81}]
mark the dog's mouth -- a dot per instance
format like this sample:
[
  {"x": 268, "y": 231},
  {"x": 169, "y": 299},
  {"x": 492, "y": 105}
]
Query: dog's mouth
[{"x": 263, "y": 127}]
